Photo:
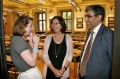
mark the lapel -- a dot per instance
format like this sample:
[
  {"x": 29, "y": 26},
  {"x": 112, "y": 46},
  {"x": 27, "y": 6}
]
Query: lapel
[{"x": 97, "y": 38}]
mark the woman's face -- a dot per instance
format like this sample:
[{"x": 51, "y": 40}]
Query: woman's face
[
  {"x": 29, "y": 28},
  {"x": 56, "y": 26}
]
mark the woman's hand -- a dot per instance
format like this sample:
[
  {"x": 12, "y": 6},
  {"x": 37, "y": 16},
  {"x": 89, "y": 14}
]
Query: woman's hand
[
  {"x": 30, "y": 38},
  {"x": 56, "y": 73},
  {"x": 35, "y": 41},
  {"x": 61, "y": 71}
]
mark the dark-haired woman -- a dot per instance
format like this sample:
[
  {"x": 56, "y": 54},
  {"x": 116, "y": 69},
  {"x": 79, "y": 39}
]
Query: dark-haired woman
[
  {"x": 24, "y": 54},
  {"x": 58, "y": 50}
]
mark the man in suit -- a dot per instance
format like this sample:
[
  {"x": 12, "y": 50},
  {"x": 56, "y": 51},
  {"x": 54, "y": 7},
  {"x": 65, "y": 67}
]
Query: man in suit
[{"x": 99, "y": 61}]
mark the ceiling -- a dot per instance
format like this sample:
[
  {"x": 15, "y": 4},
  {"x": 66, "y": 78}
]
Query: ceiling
[{"x": 40, "y": 5}]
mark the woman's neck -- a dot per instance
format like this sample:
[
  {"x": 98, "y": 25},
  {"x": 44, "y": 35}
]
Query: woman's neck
[{"x": 58, "y": 35}]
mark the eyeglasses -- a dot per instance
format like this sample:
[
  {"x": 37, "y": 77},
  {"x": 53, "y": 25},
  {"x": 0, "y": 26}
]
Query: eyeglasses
[
  {"x": 55, "y": 23},
  {"x": 89, "y": 16}
]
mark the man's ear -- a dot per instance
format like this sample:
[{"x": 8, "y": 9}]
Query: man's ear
[{"x": 99, "y": 17}]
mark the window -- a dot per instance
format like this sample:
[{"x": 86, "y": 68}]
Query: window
[
  {"x": 42, "y": 22},
  {"x": 67, "y": 16}
]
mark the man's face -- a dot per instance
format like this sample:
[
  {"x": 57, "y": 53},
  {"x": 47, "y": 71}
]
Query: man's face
[{"x": 91, "y": 20}]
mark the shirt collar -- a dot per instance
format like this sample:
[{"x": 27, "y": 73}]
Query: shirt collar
[{"x": 95, "y": 30}]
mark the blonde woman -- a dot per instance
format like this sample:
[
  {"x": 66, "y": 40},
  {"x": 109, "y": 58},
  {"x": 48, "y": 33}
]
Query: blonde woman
[{"x": 24, "y": 54}]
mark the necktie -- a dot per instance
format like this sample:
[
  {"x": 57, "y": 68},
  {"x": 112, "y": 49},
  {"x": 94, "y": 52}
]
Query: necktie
[{"x": 86, "y": 57}]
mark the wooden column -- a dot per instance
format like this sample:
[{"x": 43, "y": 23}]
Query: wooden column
[
  {"x": 3, "y": 65},
  {"x": 116, "y": 49}
]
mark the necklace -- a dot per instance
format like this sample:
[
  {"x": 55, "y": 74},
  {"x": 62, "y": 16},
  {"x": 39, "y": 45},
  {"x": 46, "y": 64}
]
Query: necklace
[{"x": 56, "y": 53}]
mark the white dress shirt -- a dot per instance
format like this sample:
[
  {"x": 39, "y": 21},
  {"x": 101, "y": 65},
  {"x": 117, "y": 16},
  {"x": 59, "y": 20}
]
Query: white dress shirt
[{"x": 95, "y": 30}]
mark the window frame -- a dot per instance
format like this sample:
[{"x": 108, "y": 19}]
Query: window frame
[
  {"x": 42, "y": 22},
  {"x": 67, "y": 19}
]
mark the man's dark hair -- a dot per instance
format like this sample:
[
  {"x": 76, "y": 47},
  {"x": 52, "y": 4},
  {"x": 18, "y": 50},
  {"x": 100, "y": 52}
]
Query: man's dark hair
[{"x": 97, "y": 9}]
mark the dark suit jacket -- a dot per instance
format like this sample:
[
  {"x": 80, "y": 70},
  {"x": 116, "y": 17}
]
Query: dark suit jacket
[{"x": 100, "y": 60}]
